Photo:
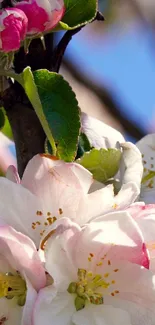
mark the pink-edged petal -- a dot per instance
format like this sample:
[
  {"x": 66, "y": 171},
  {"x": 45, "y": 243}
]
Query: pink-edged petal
[
  {"x": 101, "y": 315},
  {"x": 31, "y": 297},
  {"x": 12, "y": 174},
  {"x": 21, "y": 254},
  {"x": 131, "y": 168},
  {"x": 131, "y": 285},
  {"x": 53, "y": 306},
  {"x": 100, "y": 134},
  {"x": 69, "y": 248},
  {"x": 41, "y": 169},
  {"x": 56, "y": 16},
  {"x": 109, "y": 237},
  {"x": 18, "y": 208},
  {"x": 144, "y": 215},
  {"x": 57, "y": 184}
]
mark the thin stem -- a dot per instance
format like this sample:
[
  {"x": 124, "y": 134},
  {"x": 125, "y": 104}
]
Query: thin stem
[
  {"x": 61, "y": 47},
  {"x": 12, "y": 74}
]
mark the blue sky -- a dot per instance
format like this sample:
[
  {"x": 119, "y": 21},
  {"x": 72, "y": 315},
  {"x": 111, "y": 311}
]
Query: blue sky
[{"x": 123, "y": 60}]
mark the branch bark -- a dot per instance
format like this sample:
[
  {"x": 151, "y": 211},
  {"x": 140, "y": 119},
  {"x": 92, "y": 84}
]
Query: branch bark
[
  {"x": 27, "y": 131},
  {"x": 28, "y": 134}
]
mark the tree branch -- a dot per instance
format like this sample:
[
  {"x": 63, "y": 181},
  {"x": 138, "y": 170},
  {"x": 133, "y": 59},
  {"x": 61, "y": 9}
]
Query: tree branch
[{"x": 28, "y": 134}]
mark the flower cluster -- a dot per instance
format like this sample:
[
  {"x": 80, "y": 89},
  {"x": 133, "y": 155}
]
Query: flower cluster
[
  {"x": 75, "y": 254},
  {"x": 27, "y": 18}
]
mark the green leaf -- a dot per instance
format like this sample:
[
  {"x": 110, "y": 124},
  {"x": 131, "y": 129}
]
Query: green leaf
[
  {"x": 48, "y": 148},
  {"x": 149, "y": 176},
  {"x": 61, "y": 111},
  {"x": 102, "y": 163},
  {"x": 2, "y": 118},
  {"x": 31, "y": 90},
  {"x": 83, "y": 145},
  {"x": 78, "y": 12}
]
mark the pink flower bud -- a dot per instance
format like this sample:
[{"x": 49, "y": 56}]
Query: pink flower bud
[
  {"x": 43, "y": 15},
  {"x": 13, "y": 27}
]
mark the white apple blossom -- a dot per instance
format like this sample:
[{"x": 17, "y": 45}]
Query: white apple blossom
[
  {"x": 100, "y": 134},
  {"x": 51, "y": 189},
  {"x": 144, "y": 215},
  {"x": 21, "y": 276},
  {"x": 147, "y": 148},
  {"x": 98, "y": 275}
]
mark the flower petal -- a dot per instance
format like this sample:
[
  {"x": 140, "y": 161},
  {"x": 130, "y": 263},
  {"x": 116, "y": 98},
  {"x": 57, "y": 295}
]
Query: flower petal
[
  {"x": 29, "y": 304},
  {"x": 135, "y": 292},
  {"x": 101, "y": 315},
  {"x": 144, "y": 215},
  {"x": 100, "y": 134},
  {"x": 57, "y": 184},
  {"x": 42, "y": 168},
  {"x": 51, "y": 306},
  {"x": 114, "y": 235},
  {"x": 95, "y": 204},
  {"x": 22, "y": 255},
  {"x": 138, "y": 313},
  {"x": 58, "y": 252},
  {"x": 18, "y": 208},
  {"x": 131, "y": 164},
  {"x": 12, "y": 174},
  {"x": 103, "y": 201},
  {"x": 147, "y": 149},
  {"x": 126, "y": 196}
]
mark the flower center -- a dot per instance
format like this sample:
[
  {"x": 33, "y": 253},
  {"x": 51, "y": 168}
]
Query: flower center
[
  {"x": 88, "y": 288},
  {"x": 13, "y": 286},
  {"x": 148, "y": 180}
]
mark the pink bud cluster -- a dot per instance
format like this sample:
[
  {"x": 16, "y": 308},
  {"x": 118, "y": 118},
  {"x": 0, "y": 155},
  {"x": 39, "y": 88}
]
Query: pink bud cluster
[{"x": 28, "y": 18}]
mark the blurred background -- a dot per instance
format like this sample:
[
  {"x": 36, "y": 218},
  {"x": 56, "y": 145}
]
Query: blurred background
[{"x": 111, "y": 67}]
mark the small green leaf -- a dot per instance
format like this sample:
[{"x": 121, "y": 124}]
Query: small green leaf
[
  {"x": 2, "y": 118},
  {"x": 78, "y": 12},
  {"x": 6, "y": 128},
  {"x": 149, "y": 176},
  {"x": 60, "y": 108},
  {"x": 83, "y": 145},
  {"x": 102, "y": 163},
  {"x": 29, "y": 85}
]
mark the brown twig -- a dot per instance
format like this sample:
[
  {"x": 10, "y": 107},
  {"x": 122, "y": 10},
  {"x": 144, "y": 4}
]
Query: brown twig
[{"x": 59, "y": 51}]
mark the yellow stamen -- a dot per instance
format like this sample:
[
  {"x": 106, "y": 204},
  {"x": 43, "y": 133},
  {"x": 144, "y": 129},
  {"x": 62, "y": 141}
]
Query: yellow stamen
[
  {"x": 42, "y": 246},
  {"x": 13, "y": 286}
]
